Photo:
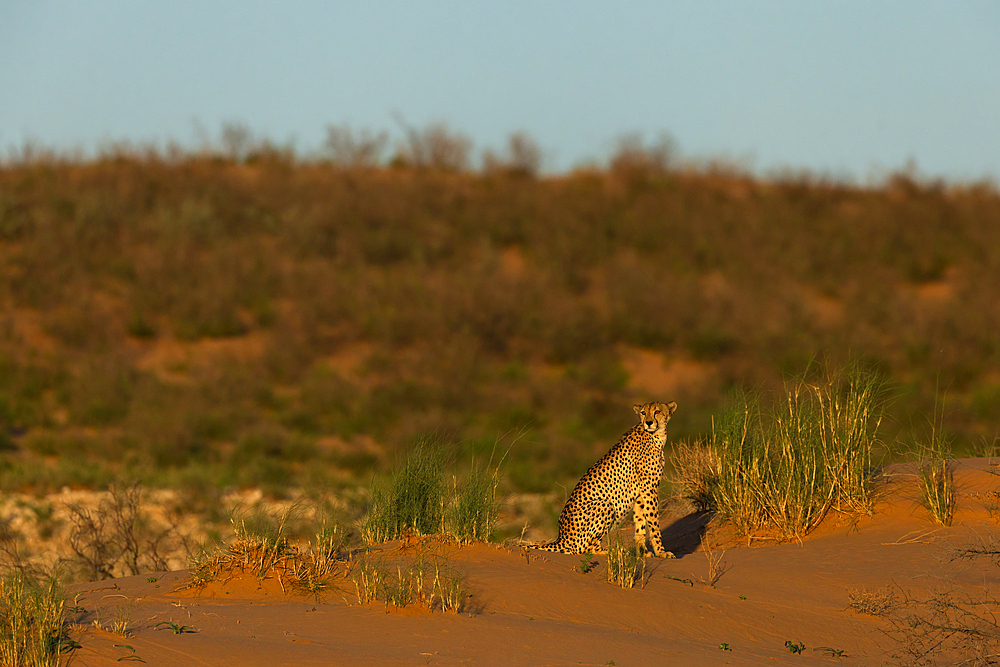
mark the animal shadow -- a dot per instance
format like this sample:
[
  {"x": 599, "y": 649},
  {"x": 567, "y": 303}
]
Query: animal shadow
[{"x": 684, "y": 535}]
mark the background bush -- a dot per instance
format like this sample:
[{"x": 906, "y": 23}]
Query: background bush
[{"x": 257, "y": 319}]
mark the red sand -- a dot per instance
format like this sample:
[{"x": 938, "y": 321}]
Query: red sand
[{"x": 529, "y": 608}]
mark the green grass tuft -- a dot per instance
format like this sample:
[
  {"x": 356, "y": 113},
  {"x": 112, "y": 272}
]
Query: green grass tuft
[{"x": 411, "y": 498}]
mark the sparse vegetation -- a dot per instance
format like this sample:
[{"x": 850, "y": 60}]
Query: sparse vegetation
[
  {"x": 427, "y": 579},
  {"x": 937, "y": 489},
  {"x": 475, "y": 508},
  {"x": 411, "y": 498},
  {"x": 948, "y": 627},
  {"x": 414, "y": 498},
  {"x": 262, "y": 547}
]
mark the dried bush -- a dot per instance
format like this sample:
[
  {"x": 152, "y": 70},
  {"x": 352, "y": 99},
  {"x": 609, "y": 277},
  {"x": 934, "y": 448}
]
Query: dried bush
[
  {"x": 117, "y": 538},
  {"x": 872, "y": 601}
]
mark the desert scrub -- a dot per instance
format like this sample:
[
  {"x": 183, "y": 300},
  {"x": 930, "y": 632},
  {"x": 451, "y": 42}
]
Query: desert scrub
[
  {"x": 786, "y": 467},
  {"x": 314, "y": 570},
  {"x": 411, "y": 498},
  {"x": 32, "y": 620},
  {"x": 261, "y": 546}
]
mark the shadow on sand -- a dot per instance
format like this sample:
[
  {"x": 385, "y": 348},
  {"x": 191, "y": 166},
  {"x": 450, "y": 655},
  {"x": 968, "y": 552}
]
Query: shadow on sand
[{"x": 684, "y": 535}]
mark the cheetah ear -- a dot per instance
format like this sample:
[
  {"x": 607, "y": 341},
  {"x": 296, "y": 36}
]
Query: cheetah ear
[
  {"x": 637, "y": 407},
  {"x": 671, "y": 407}
]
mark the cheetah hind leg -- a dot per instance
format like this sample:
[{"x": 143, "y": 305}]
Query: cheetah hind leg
[{"x": 605, "y": 526}]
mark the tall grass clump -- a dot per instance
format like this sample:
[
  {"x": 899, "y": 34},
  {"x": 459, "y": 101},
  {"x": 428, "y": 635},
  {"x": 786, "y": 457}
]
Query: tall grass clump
[
  {"x": 936, "y": 477},
  {"x": 412, "y": 497},
  {"x": 475, "y": 508},
  {"x": 937, "y": 489},
  {"x": 785, "y": 467},
  {"x": 32, "y": 618}
]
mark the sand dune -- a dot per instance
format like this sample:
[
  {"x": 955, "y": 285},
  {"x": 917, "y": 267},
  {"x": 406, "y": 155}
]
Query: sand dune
[{"x": 528, "y": 608}]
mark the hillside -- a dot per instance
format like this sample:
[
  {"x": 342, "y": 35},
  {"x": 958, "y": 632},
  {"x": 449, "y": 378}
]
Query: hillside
[{"x": 198, "y": 322}]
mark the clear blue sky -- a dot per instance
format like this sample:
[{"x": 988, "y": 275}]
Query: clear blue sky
[{"x": 848, "y": 88}]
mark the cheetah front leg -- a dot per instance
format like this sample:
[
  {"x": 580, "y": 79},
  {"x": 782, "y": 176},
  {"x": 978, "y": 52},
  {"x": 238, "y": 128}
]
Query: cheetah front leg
[{"x": 647, "y": 520}]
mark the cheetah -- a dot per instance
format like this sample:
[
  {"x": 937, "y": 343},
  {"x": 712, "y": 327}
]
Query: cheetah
[{"x": 626, "y": 478}]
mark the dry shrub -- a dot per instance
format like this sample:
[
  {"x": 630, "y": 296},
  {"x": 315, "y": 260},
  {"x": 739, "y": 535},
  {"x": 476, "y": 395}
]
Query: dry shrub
[
  {"x": 949, "y": 627},
  {"x": 872, "y": 601},
  {"x": 350, "y": 150},
  {"x": 117, "y": 538},
  {"x": 697, "y": 469}
]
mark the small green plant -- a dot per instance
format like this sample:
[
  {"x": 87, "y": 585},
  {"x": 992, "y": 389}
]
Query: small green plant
[
  {"x": 626, "y": 564},
  {"x": 832, "y": 652},
  {"x": 121, "y": 624},
  {"x": 128, "y": 657},
  {"x": 794, "y": 647},
  {"x": 725, "y": 647},
  {"x": 587, "y": 563},
  {"x": 174, "y": 627}
]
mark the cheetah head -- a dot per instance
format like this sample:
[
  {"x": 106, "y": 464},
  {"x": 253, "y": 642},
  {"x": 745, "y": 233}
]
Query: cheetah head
[{"x": 654, "y": 416}]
